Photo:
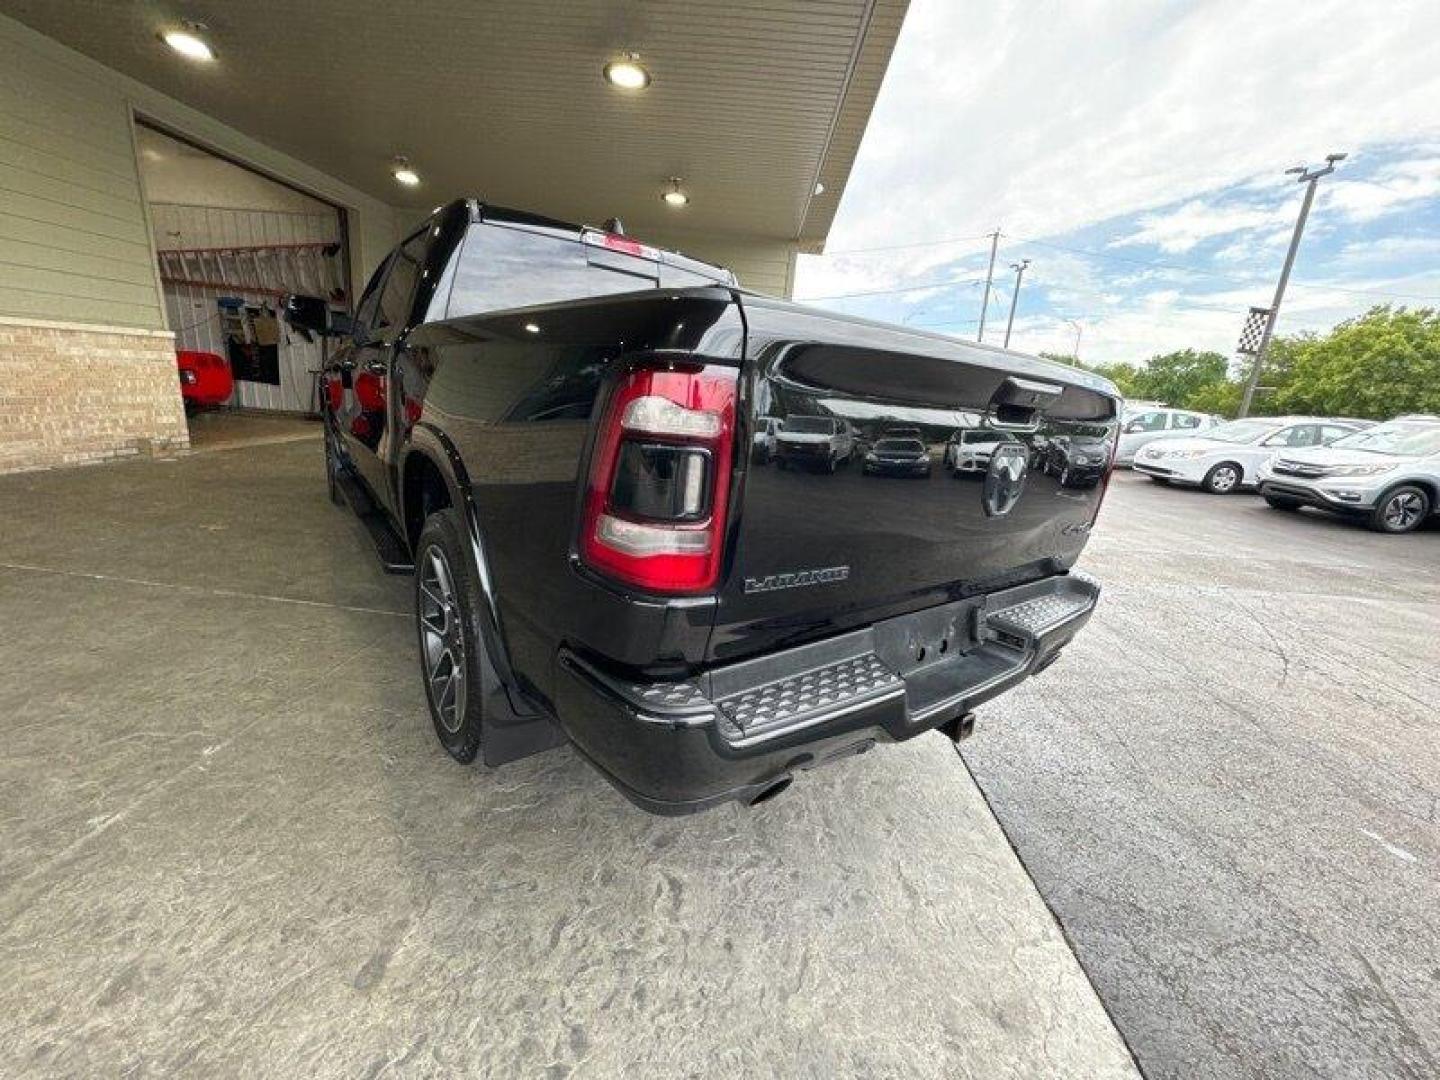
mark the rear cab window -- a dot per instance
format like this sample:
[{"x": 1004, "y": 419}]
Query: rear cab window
[{"x": 503, "y": 266}]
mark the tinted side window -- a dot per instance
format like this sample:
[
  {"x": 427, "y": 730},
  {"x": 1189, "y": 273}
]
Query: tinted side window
[
  {"x": 502, "y": 268},
  {"x": 365, "y": 313},
  {"x": 395, "y": 297}
]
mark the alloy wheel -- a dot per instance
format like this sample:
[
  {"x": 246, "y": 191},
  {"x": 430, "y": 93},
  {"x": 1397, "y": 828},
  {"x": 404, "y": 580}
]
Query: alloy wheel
[
  {"x": 442, "y": 641},
  {"x": 1224, "y": 479},
  {"x": 1404, "y": 510}
]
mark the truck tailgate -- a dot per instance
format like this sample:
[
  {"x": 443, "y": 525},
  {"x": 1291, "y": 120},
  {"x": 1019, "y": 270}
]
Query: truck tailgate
[{"x": 819, "y": 547}]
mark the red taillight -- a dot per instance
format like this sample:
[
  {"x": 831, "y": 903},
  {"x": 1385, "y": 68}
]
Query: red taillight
[{"x": 656, "y": 497}]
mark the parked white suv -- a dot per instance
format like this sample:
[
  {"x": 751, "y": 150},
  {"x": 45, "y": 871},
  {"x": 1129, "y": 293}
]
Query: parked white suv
[
  {"x": 1229, "y": 456},
  {"x": 1388, "y": 475},
  {"x": 1141, "y": 426}
]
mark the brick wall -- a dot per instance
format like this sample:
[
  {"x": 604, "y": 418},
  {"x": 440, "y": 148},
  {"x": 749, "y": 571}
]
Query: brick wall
[{"x": 74, "y": 394}]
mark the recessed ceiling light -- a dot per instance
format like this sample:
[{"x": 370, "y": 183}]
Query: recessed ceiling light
[
  {"x": 676, "y": 196},
  {"x": 819, "y": 188},
  {"x": 404, "y": 173},
  {"x": 532, "y": 328},
  {"x": 627, "y": 73},
  {"x": 186, "y": 40}
]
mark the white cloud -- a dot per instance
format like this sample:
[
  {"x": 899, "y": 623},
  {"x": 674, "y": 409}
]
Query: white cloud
[
  {"x": 1393, "y": 188},
  {"x": 1043, "y": 118},
  {"x": 1177, "y": 231},
  {"x": 1047, "y": 119}
]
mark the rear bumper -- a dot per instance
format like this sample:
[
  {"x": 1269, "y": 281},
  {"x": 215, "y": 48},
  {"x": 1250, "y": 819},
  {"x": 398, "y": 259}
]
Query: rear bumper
[{"x": 740, "y": 731}]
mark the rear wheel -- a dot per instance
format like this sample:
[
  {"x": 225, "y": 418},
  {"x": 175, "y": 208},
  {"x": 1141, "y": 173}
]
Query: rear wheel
[
  {"x": 1222, "y": 479},
  {"x": 447, "y": 598},
  {"x": 1279, "y": 502},
  {"x": 1400, "y": 510}
]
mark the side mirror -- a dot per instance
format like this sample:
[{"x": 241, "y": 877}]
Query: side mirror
[
  {"x": 1134, "y": 426},
  {"x": 313, "y": 314}
]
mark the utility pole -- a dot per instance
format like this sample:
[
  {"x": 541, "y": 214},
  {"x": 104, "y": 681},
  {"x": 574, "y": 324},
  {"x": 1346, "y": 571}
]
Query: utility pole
[
  {"x": 1075, "y": 350},
  {"x": 1019, "y": 269},
  {"x": 989, "y": 277},
  {"x": 1309, "y": 177}
]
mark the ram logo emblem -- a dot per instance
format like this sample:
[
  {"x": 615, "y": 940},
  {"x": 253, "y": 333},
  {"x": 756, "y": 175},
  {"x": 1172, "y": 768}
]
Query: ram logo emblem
[{"x": 1005, "y": 479}]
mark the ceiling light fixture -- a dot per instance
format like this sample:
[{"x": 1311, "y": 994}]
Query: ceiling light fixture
[
  {"x": 404, "y": 173},
  {"x": 187, "y": 41},
  {"x": 819, "y": 188},
  {"x": 676, "y": 195},
  {"x": 627, "y": 73}
]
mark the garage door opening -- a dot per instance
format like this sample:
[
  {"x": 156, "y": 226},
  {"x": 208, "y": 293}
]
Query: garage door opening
[{"x": 231, "y": 243}]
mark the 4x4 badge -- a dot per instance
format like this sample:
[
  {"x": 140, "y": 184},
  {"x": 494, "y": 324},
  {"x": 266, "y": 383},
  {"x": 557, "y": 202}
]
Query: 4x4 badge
[{"x": 1005, "y": 479}]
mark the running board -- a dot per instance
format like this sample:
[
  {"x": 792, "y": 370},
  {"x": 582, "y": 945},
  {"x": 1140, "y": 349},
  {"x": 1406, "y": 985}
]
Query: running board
[{"x": 391, "y": 549}]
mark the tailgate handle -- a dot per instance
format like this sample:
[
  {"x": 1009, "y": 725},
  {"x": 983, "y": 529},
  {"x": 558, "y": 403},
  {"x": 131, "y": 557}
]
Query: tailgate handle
[{"x": 1018, "y": 403}]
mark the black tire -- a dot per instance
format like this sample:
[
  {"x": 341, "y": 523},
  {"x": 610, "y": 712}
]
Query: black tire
[
  {"x": 1402, "y": 509},
  {"x": 456, "y": 706},
  {"x": 1223, "y": 478},
  {"x": 1280, "y": 502}
]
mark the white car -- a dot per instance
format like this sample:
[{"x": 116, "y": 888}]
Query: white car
[
  {"x": 1141, "y": 426},
  {"x": 1229, "y": 456},
  {"x": 1387, "y": 475}
]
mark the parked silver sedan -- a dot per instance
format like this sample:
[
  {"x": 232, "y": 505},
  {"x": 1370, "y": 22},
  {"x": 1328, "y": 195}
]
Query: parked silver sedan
[
  {"x": 1229, "y": 456},
  {"x": 1141, "y": 426},
  {"x": 1387, "y": 475}
]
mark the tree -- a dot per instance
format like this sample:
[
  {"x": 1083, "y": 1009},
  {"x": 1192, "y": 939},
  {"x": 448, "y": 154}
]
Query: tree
[
  {"x": 1385, "y": 362},
  {"x": 1177, "y": 378},
  {"x": 1122, "y": 375}
]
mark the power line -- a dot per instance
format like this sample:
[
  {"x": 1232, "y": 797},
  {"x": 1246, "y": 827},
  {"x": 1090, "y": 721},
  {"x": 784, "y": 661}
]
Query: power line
[
  {"x": 889, "y": 292},
  {"x": 1152, "y": 264},
  {"x": 902, "y": 247}
]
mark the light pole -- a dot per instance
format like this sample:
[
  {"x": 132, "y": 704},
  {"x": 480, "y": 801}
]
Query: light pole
[
  {"x": 1309, "y": 177},
  {"x": 1019, "y": 269},
  {"x": 1075, "y": 350},
  {"x": 989, "y": 277}
]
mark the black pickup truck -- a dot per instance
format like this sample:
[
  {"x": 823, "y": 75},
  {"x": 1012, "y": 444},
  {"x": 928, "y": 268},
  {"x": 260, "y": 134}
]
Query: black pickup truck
[{"x": 542, "y": 421}]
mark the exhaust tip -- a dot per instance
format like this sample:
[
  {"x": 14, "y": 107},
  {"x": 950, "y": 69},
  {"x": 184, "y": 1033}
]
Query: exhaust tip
[{"x": 774, "y": 789}]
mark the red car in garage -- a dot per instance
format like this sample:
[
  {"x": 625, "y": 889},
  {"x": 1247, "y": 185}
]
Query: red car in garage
[{"x": 205, "y": 379}]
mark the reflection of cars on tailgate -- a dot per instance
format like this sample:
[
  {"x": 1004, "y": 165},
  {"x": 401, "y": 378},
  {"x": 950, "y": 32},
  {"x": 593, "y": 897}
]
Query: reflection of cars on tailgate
[
  {"x": 1077, "y": 460},
  {"x": 814, "y": 440},
  {"x": 898, "y": 457},
  {"x": 205, "y": 378},
  {"x": 970, "y": 450}
]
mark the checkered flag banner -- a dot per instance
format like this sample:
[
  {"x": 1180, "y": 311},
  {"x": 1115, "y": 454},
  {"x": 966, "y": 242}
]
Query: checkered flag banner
[{"x": 1254, "y": 330}]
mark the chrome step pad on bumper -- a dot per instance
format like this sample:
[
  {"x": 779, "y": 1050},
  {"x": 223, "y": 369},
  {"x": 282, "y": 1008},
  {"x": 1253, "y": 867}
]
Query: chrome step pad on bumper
[
  {"x": 914, "y": 671},
  {"x": 815, "y": 696}
]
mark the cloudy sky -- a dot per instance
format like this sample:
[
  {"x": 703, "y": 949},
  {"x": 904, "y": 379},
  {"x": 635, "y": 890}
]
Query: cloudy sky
[{"x": 1135, "y": 153}]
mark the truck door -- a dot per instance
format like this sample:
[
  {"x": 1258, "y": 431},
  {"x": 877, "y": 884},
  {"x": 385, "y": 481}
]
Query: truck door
[{"x": 365, "y": 418}]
